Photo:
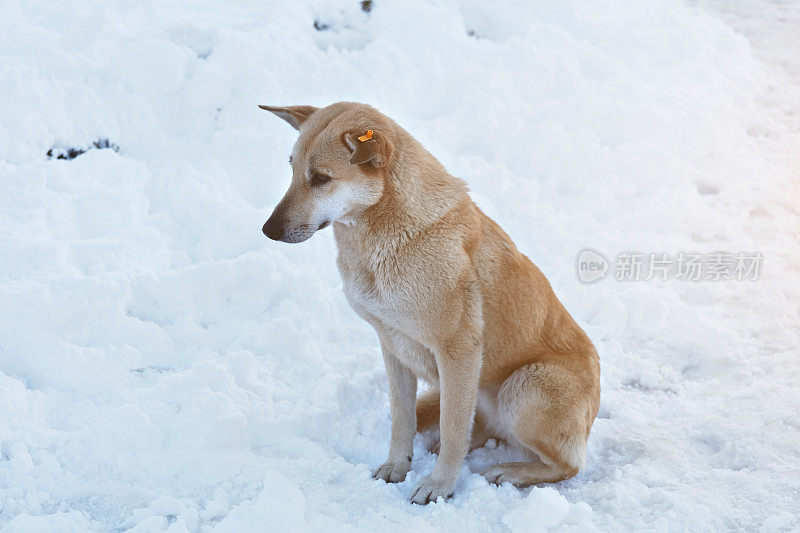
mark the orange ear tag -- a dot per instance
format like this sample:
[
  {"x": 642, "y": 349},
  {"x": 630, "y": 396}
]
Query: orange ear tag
[{"x": 367, "y": 136}]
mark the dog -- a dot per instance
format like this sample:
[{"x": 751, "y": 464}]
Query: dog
[{"x": 452, "y": 300}]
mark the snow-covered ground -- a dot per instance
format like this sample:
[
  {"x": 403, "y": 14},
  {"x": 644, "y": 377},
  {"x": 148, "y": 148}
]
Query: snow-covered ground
[{"x": 164, "y": 366}]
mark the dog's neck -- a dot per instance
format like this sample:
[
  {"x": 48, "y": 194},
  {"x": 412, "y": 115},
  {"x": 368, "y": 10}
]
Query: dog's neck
[{"x": 418, "y": 191}]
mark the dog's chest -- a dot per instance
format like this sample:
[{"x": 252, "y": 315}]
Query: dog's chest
[
  {"x": 381, "y": 288},
  {"x": 377, "y": 303},
  {"x": 365, "y": 289}
]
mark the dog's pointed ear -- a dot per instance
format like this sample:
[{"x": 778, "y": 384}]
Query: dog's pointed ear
[
  {"x": 294, "y": 114},
  {"x": 370, "y": 147}
]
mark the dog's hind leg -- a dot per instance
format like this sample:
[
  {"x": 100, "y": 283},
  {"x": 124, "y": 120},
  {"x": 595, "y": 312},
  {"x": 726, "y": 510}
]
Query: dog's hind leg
[{"x": 547, "y": 410}]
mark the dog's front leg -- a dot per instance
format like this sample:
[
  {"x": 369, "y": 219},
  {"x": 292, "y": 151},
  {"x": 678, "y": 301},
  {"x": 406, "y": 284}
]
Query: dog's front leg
[
  {"x": 402, "y": 402},
  {"x": 459, "y": 370}
]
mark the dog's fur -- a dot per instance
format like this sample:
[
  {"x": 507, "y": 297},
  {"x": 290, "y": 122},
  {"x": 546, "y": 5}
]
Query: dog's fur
[{"x": 451, "y": 298}]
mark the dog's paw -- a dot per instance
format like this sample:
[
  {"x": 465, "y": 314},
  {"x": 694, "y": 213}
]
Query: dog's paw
[
  {"x": 392, "y": 472},
  {"x": 499, "y": 474},
  {"x": 429, "y": 490}
]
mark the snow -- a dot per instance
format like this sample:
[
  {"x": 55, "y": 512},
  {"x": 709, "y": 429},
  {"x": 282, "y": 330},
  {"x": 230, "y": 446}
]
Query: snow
[{"x": 163, "y": 366}]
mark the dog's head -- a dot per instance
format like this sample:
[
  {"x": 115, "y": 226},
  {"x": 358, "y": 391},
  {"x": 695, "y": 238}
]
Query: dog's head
[{"x": 339, "y": 163}]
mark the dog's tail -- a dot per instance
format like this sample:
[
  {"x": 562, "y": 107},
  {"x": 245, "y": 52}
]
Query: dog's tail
[{"x": 428, "y": 410}]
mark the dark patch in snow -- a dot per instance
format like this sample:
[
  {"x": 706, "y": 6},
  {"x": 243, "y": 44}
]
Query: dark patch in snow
[
  {"x": 634, "y": 383},
  {"x": 473, "y": 33},
  {"x": 67, "y": 153},
  {"x": 706, "y": 190},
  {"x": 338, "y": 21},
  {"x": 692, "y": 371},
  {"x": 199, "y": 42},
  {"x": 147, "y": 369},
  {"x": 709, "y": 443}
]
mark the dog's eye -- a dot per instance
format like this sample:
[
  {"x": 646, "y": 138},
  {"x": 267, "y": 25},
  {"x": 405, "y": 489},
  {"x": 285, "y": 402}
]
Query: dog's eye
[{"x": 319, "y": 179}]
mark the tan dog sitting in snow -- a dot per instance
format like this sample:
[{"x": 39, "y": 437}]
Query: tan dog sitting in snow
[{"x": 451, "y": 298}]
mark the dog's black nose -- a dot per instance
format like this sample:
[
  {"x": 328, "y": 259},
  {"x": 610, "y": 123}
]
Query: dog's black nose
[{"x": 273, "y": 227}]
